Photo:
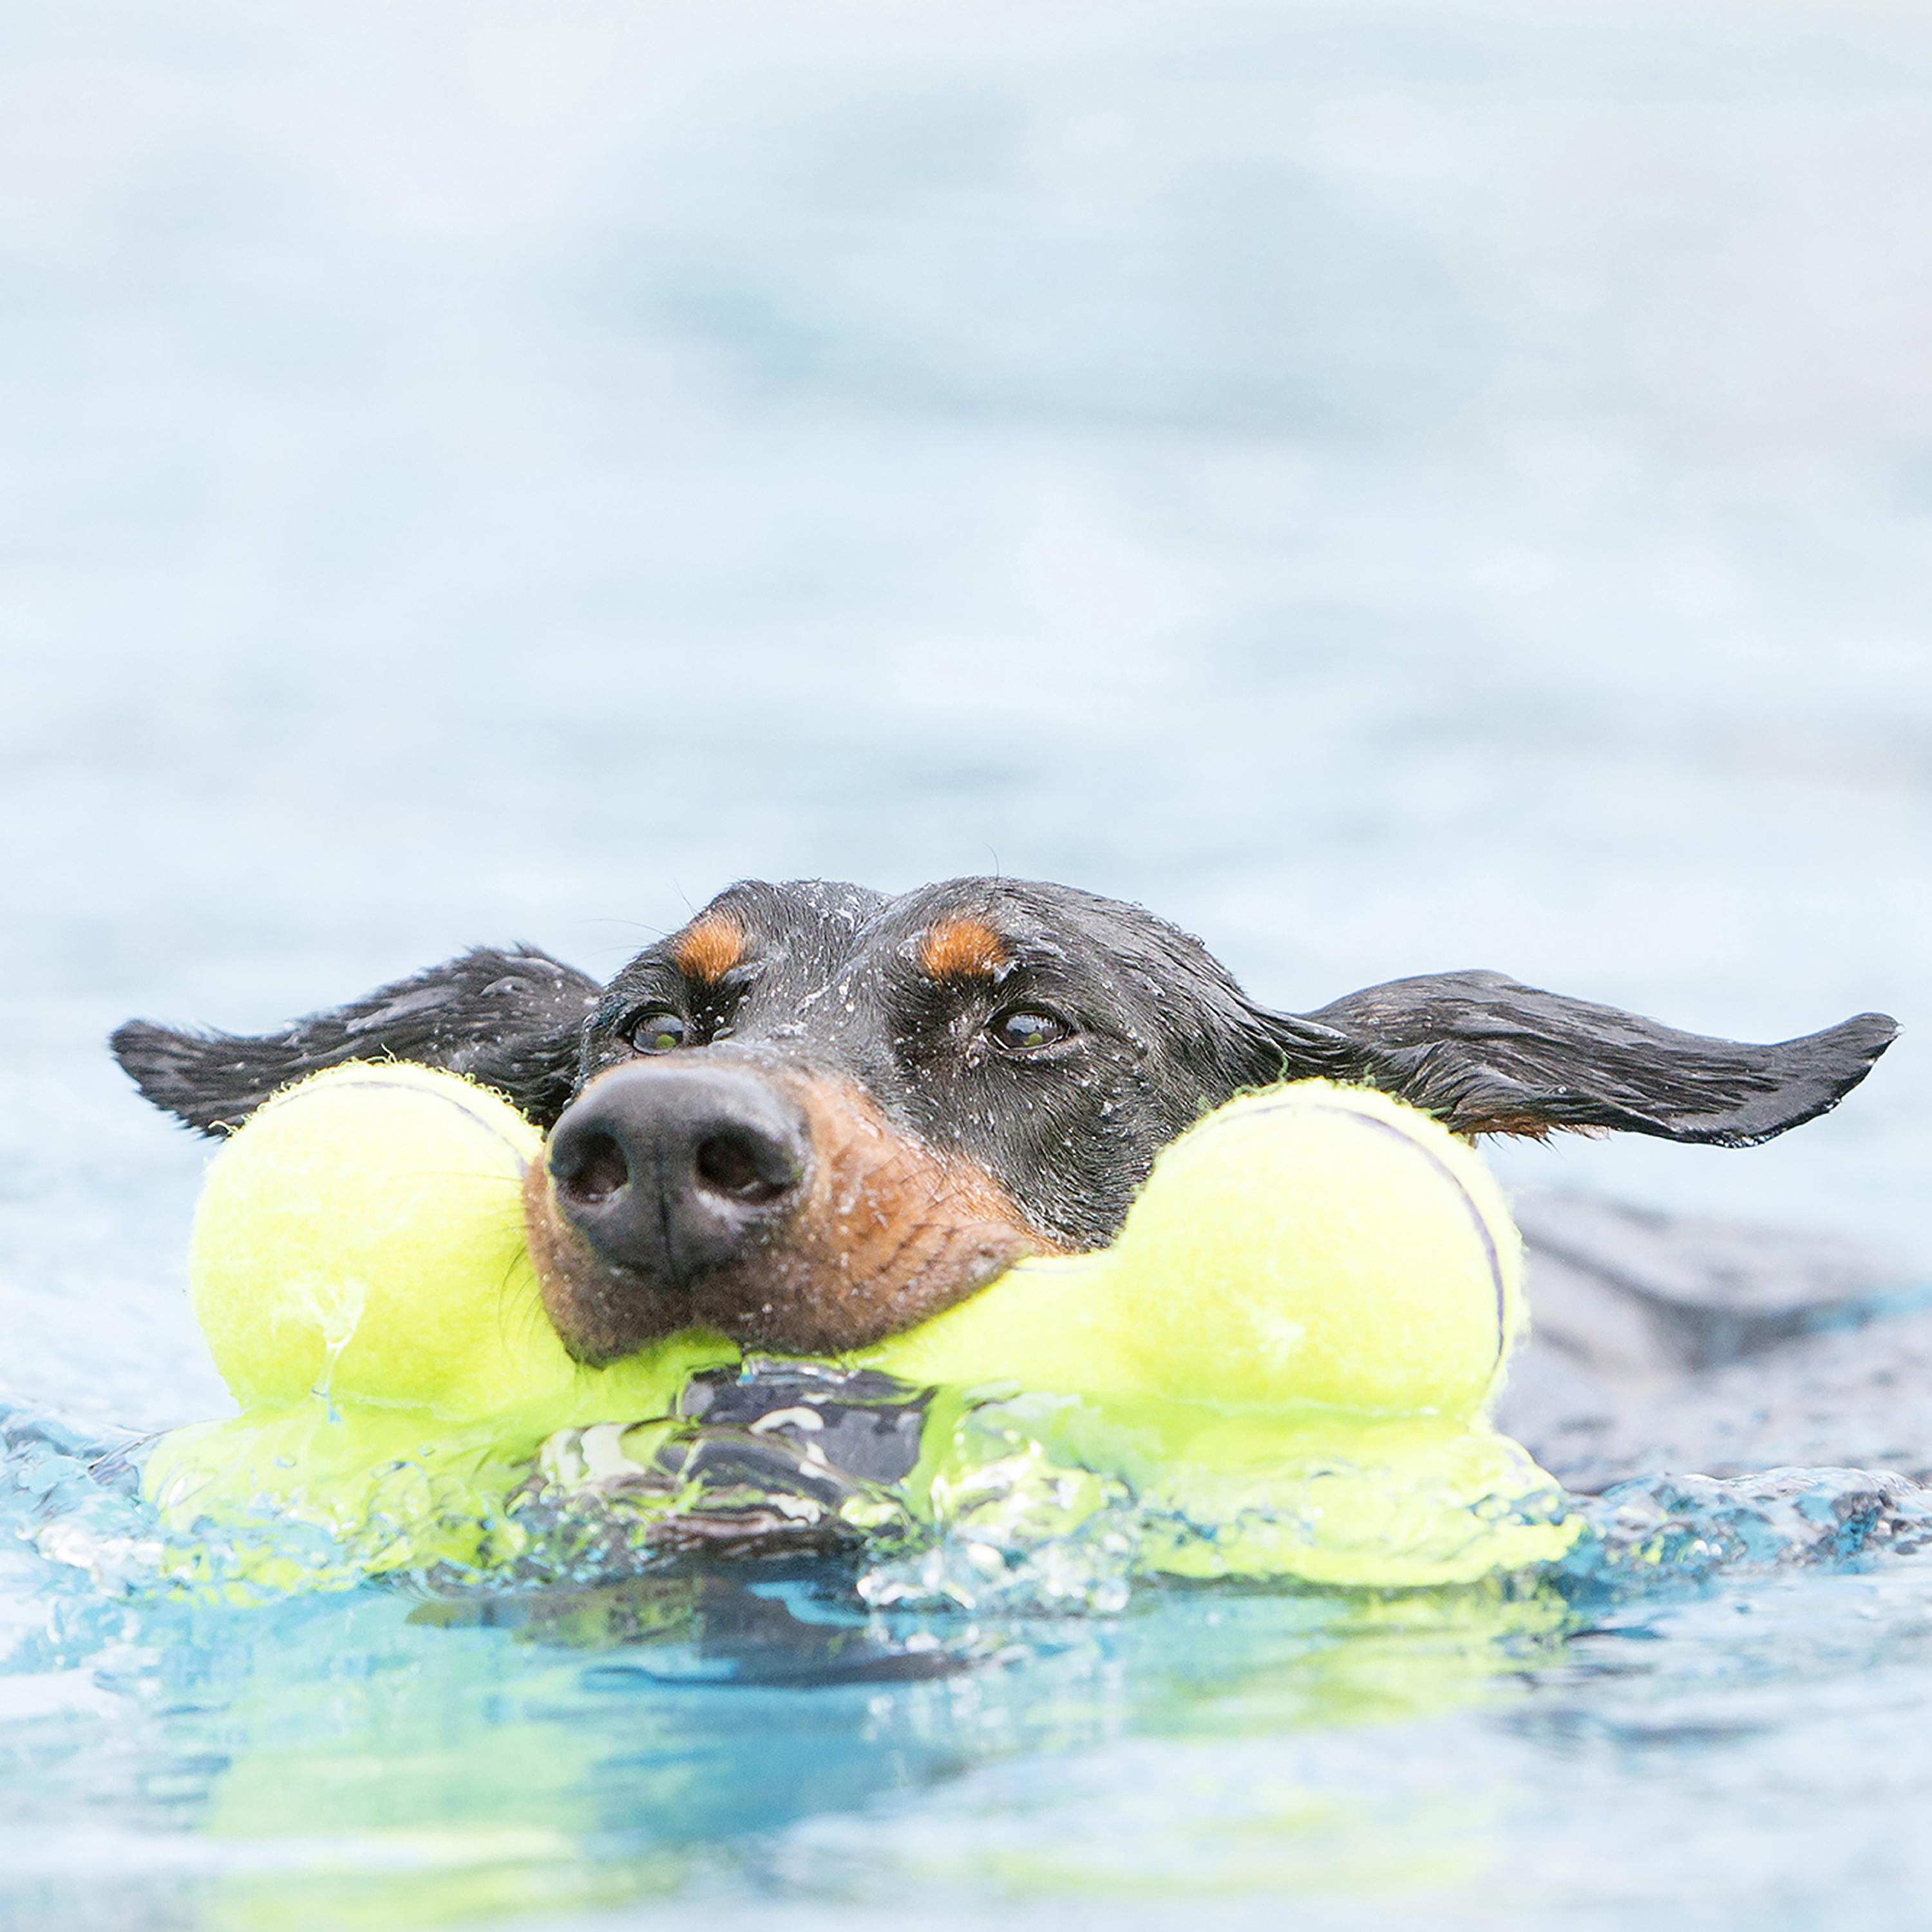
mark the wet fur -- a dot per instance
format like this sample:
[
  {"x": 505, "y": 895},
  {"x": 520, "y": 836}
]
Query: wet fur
[
  {"x": 890, "y": 1232},
  {"x": 876, "y": 1009}
]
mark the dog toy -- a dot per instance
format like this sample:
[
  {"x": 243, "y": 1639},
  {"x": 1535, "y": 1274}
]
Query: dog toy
[
  {"x": 358, "y": 1266},
  {"x": 1315, "y": 1244},
  {"x": 1286, "y": 1358},
  {"x": 362, "y": 1239}
]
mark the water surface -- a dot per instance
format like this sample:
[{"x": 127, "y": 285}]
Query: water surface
[{"x": 1390, "y": 488}]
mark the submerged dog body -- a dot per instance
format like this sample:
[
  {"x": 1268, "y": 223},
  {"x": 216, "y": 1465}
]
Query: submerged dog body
[{"x": 817, "y": 1114}]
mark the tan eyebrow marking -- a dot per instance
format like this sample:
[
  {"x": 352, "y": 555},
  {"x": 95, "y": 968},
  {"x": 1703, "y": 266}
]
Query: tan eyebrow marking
[
  {"x": 961, "y": 949},
  {"x": 710, "y": 947}
]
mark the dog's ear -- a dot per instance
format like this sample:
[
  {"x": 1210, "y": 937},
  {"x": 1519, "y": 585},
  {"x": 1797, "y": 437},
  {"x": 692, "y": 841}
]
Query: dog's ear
[
  {"x": 1487, "y": 1054},
  {"x": 513, "y": 1021}
]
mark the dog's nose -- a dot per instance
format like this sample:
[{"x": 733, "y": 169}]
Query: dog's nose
[{"x": 673, "y": 1171}]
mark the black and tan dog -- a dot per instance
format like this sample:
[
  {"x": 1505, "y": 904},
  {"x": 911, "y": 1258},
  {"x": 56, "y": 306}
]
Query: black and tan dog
[{"x": 819, "y": 1113}]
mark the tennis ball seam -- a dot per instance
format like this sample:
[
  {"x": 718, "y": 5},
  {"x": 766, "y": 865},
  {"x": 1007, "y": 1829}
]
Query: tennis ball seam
[
  {"x": 1295, "y": 1098},
  {"x": 1461, "y": 1193},
  {"x": 475, "y": 1116}
]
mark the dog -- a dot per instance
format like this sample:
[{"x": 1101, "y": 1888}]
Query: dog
[{"x": 818, "y": 1114}]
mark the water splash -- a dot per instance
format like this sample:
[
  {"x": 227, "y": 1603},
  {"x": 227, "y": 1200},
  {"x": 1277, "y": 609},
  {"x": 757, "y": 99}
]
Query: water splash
[
  {"x": 1021, "y": 1532},
  {"x": 1668, "y": 1529}
]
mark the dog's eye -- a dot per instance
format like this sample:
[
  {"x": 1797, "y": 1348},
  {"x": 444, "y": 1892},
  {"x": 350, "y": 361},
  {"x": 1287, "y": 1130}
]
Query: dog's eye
[
  {"x": 657, "y": 1032},
  {"x": 1020, "y": 1029}
]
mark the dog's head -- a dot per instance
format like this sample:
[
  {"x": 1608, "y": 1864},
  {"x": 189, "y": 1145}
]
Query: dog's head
[{"x": 818, "y": 1114}]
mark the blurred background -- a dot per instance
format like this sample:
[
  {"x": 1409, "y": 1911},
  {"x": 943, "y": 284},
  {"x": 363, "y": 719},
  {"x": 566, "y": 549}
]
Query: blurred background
[{"x": 1389, "y": 487}]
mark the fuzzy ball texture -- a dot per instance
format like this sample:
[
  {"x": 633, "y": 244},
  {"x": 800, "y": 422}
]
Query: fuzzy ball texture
[
  {"x": 1314, "y": 1244},
  {"x": 1286, "y": 1353},
  {"x": 363, "y": 1235}
]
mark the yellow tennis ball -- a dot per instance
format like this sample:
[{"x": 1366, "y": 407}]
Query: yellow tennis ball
[
  {"x": 1331, "y": 1245},
  {"x": 362, "y": 1235},
  {"x": 1314, "y": 1244},
  {"x": 358, "y": 1267},
  {"x": 1286, "y": 1352}
]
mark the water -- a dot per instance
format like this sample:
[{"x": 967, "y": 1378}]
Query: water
[{"x": 1390, "y": 488}]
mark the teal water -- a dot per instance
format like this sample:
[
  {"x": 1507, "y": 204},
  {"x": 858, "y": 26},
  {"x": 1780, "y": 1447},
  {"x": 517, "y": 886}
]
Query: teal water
[{"x": 1390, "y": 488}]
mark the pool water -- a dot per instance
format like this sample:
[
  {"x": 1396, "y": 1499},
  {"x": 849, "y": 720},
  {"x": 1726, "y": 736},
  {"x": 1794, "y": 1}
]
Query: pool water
[
  {"x": 752, "y": 1741},
  {"x": 1391, "y": 488}
]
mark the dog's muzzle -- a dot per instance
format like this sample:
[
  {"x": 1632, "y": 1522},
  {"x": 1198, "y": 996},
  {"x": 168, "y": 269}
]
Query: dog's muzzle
[{"x": 672, "y": 1172}]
